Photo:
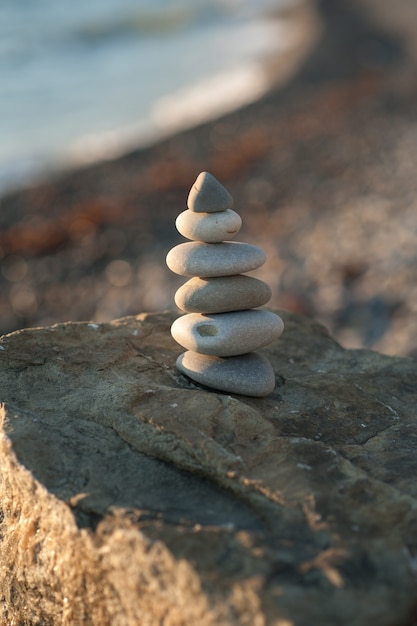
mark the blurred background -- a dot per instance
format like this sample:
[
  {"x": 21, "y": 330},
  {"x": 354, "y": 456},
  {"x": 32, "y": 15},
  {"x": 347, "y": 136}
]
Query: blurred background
[
  {"x": 305, "y": 110},
  {"x": 91, "y": 78}
]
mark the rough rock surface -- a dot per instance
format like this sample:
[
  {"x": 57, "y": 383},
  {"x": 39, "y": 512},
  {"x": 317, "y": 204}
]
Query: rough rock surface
[{"x": 129, "y": 496}]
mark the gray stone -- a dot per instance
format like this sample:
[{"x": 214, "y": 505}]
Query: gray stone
[
  {"x": 227, "y": 334},
  {"x": 249, "y": 374},
  {"x": 219, "y": 295},
  {"x": 208, "y": 227},
  {"x": 206, "y": 260},
  {"x": 321, "y": 473},
  {"x": 207, "y": 195}
]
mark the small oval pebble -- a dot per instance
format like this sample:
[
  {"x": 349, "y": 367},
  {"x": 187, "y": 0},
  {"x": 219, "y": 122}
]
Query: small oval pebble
[
  {"x": 208, "y": 227},
  {"x": 207, "y": 195},
  {"x": 248, "y": 374},
  {"x": 218, "y": 295},
  {"x": 227, "y": 334},
  {"x": 195, "y": 258}
]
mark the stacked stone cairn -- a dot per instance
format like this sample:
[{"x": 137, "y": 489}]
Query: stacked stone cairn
[{"x": 222, "y": 327}]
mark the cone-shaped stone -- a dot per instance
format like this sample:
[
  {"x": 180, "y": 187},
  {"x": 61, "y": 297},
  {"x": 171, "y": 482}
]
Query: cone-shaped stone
[
  {"x": 207, "y": 195},
  {"x": 249, "y": 374}
]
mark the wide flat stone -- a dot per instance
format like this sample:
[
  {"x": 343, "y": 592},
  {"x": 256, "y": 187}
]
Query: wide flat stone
[
  {"x": 209, "y": 227},
  {"x": 249, "y": 374},
  {"x": 207, "y": 195},
  {"x": 206, "y": 260},
  {"x": 219, "y": 295},
  {"x": 227, "y": 334}
]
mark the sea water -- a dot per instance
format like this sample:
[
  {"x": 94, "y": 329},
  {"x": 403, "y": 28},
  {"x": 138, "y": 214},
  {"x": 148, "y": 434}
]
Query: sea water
[{"x": 89, "y": 79}]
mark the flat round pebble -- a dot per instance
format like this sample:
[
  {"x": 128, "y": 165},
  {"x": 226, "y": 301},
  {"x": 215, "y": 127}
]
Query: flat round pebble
[
  {"x": 208, "y": 227},
  {"x": 207, "y": 195},
  {"x": 219, "y": 295},
  {"x": 206, "y": 260},
  {"x": 227, "y": 334},
  {"x": 249, "y": 374}
]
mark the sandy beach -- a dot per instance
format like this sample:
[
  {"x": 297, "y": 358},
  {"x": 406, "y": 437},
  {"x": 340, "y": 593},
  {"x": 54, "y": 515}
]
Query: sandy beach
[{"x": 321, "y": 169}]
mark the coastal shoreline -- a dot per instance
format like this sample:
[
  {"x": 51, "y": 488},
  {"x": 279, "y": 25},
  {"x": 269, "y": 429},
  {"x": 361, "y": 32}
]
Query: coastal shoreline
[
  {"x": 260, "y": 50},
  {"x": 289, "y": 33},
  {"x": 318, "y": 168}
]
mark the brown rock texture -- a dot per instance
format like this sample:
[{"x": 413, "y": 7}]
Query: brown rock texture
[{"x": 129, "y": 496}]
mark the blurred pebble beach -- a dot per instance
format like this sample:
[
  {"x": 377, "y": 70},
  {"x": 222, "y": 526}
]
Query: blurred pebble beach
[{"x": 321, "y": 168}]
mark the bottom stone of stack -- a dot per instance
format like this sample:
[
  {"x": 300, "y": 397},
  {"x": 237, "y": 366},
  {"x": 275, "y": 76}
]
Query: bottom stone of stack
[{"x": 248, "y": 374}]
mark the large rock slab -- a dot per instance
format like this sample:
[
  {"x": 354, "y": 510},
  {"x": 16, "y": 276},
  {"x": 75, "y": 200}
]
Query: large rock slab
[{"x": 131, "y": 496}]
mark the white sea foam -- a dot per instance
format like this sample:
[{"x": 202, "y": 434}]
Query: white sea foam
[
  {"x": 201, "y": 101},
  {"x": 80, "y": 85}
]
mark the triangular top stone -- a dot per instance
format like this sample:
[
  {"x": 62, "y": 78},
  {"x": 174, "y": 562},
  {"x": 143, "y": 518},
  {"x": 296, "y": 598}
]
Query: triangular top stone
[{"x": 207, "y": 195}]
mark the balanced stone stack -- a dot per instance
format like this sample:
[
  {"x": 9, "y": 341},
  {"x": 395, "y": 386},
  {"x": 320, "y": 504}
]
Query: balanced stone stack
[{"x": 222, "y": 327}]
